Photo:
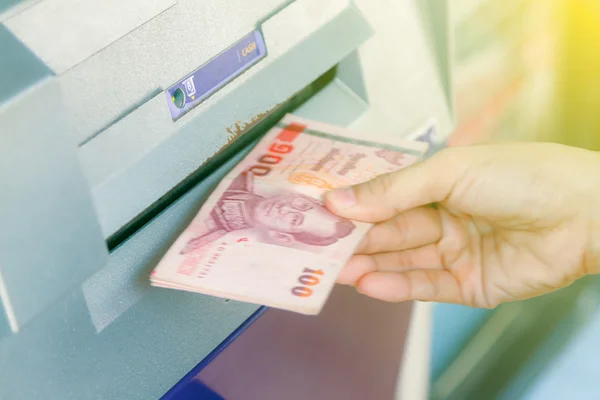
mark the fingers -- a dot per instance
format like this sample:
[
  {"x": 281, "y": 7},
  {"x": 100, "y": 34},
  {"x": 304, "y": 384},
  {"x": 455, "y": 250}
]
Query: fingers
[
  {"x": 423, "y": 285},
  {"x": 426, "y": 257},
  {"x": 381, "y": 198},
  {"x": 410, "y": 229}
]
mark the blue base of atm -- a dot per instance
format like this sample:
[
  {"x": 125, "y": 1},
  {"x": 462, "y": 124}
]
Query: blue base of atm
[
  {"x": 195, "y": 390},
  {"x": 191, "y": 388}
]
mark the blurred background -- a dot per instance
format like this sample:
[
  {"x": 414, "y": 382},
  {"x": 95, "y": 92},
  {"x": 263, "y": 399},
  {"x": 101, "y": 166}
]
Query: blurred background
[{"x": 524, "y": 70}]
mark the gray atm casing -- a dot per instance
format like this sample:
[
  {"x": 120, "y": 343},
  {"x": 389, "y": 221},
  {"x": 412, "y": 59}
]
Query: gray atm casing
[{"x": 88, "y": 146}]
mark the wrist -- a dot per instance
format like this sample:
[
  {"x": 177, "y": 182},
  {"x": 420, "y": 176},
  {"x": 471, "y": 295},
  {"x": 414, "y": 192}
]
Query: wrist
[{"x": 592, "y": 257}]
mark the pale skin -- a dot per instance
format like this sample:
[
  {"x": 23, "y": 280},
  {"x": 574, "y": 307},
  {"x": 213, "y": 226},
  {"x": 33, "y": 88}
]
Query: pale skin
[{"x": 508, "y": 222}]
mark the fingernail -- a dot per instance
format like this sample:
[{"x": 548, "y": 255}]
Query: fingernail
[{"x": 343, "y": 197}]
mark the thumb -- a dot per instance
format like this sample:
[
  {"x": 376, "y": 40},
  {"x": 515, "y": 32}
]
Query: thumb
[{"x": 389, "y": 194}]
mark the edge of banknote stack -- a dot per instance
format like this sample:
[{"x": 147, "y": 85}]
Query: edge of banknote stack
[{"x": 264, "y": 236}]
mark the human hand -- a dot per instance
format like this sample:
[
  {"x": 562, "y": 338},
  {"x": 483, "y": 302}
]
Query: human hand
[{"x": 510, "y": 222}]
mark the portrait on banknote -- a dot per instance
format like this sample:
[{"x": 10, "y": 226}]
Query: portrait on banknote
[{"x": 284, "y": 217}]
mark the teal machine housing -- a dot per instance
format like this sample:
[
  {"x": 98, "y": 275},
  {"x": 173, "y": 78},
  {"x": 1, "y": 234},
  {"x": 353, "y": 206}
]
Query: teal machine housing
[{"x": 98, "y": 179}]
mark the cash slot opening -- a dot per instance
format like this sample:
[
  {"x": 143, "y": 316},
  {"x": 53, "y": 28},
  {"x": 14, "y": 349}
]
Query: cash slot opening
[{"x": 250, "y": 134}]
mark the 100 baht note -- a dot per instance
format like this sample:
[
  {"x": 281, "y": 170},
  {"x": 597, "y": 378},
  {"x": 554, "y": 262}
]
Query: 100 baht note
[{"x": 264, "y": 236}]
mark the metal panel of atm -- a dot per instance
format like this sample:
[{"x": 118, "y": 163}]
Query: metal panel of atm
[{"x": 99, "y": 173}]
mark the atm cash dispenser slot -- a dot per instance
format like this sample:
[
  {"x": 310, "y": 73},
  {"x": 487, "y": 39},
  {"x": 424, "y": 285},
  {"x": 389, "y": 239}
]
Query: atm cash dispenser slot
[
  {"x": 130, "y": 164},
  {"x": 128, "y": 156},
  {"x": 104, "y": 332}
]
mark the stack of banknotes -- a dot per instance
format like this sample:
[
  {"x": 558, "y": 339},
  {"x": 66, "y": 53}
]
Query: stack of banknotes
[{"x": 264, "y": 235}]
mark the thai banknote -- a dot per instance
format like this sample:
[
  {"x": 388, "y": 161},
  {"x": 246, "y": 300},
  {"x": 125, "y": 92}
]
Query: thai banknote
[{"x": 264, "y": 235}]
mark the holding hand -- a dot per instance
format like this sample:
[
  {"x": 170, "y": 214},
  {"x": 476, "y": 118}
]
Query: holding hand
[{"x": 478, "y": 225}]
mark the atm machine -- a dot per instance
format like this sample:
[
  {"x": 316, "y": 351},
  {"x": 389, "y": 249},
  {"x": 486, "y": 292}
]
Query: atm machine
[{"x": 102, "y": 167}]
